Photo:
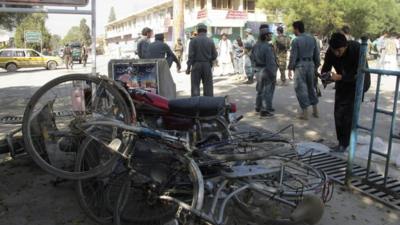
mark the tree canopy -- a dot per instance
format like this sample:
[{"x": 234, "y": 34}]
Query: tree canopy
[
  {"x": 112, "y": 16},
  {"x": 364, "y": 17},
  {"x": 79, "y": 33},
  {"x": 33, "y": 22},
  {"x": 9, "y": 21}
]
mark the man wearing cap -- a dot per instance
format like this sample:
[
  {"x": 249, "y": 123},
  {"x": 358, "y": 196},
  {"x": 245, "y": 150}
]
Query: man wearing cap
[
  {"x": 178, "y": 49},
  {"x": 160, "y": 50},
  {"x": 343, "y": 55},
  {"x": 248, "y": 43},
  {"x": 202, "y": 54},
  {"x": 265, "y": 67},
  {"x": 304, "y": 60},
  {"x": 281, "y": 46}
]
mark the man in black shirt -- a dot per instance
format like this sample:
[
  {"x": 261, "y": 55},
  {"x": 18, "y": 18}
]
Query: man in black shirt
[
  {"x": 202, "y": 53},
  {"x": 343, "y": 55},
  {"x": 160, "y": 50},
  {"x": 144, "y": 42}
]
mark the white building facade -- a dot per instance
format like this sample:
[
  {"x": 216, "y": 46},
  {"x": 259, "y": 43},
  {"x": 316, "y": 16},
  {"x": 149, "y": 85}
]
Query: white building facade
[{"x": 220, "y": 16}]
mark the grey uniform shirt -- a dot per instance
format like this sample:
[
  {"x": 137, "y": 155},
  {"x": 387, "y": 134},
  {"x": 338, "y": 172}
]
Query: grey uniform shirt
[
  {"x": 201, "y": 49},
  {"x": 142, "y": 46},
  {"x": 160, "y": 50},
  {"x": 304, "y": 48},
  {"x": 250, "y": 40},
  {"x": 263, "y": 56}
]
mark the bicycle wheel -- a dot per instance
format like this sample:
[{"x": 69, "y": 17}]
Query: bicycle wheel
[
  {"x": 158, "y": 173},
  {"x": 97, "y": 195},
  {"x": 52, "y": 118}
]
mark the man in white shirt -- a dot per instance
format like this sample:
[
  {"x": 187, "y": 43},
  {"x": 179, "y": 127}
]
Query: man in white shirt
[{"x": 225, "y": 55}]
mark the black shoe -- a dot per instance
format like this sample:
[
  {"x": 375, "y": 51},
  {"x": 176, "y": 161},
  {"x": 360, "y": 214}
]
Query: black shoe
[
  {"x": 266, "y": 114},
  {"x": 271, "y": 110},
  {"x": 339, "y": 149},
  {"x": 257, "y": 110}
]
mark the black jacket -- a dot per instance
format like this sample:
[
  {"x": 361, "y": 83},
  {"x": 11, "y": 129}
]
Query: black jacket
[
  {"x": 201, "y": 49},
  {"x": 160, "y": 50}
]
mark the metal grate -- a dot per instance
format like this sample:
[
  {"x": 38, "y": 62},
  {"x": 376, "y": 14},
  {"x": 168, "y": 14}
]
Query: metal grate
[{"x": 335, "y": 167}]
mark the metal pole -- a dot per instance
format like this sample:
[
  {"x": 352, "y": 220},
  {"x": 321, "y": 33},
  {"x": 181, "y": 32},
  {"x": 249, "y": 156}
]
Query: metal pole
[
  {"x": 178, "y": 19},
  {"x": 94, "y": 37},
  {"x": 356, "y": 112}
]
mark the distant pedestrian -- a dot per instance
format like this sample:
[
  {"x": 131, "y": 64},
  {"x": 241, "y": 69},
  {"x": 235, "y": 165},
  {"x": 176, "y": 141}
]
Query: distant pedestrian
[
  {"x": 144, "y": 42},
  {"x": 398, "y": 45},
  {"x": 225, "y": 55},
  {"x": 202, "y": 54},
  {"x": 381, "y": 45},
  {"x": 178, "y": 50},
  {"x": 160, "y": 50},
  {"x": 265, "y": 67},
  {"x": 68, "y": 56},
  {"x": 238, "y": 53},
  {"x": 84, "y": 55},
  {"x": 248, "y": 42},
  {"x": 281, "y": 46},
  {"x": 346, "y": 31},
  {"x": 304, "y": 60}
]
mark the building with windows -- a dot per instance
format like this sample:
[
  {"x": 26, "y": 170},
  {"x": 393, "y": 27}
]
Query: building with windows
[{"x": 220, "y": 16}]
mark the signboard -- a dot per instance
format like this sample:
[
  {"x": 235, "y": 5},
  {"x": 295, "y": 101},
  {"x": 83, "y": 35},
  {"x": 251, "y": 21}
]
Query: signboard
[
  {"x": 46, "y": 2},
  {"x": 134, "y": 75},
  {"x": 33, "y": 36},
  {"x": 236, "y": 14},
  {"x": 202, "y": 14}
]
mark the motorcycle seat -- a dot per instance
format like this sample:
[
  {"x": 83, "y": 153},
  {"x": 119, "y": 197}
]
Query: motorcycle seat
[{"x": 202, "y": 106}]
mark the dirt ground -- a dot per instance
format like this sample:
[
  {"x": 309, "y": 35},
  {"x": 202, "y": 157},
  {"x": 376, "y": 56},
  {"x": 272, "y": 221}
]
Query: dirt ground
[{"x": 28, "y": 196}]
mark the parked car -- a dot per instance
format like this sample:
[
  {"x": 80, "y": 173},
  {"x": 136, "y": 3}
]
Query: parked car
[{"x": 13, "y": 59}]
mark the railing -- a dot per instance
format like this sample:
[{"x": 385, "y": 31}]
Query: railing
[{"x": 362, "y": 69}]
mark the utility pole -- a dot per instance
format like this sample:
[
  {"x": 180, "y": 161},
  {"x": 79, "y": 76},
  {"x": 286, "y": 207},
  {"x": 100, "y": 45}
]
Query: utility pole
[{"x": 178, "y": 19}]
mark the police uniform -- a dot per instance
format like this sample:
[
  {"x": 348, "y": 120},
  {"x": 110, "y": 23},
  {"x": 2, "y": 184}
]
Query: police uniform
[
  {"x": 160, "y": 50},
  {"x": 345, "y": 89},
  {"x": 281, "y": 45},
  {"x": 142, "y": 46},
  {"x": 265, "y": 68},
  {"x": 304, "y": 60},
  {"x": 248, "y": 43},
  {"x": 202, "y": 53}
]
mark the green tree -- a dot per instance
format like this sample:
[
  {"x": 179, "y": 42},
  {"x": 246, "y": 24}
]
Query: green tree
[
  {"x": 365, "y": 17},
  {"x": 55, "y": 42},
  {"x": 73, "y": 35},
  {"x": 10, "y": 20},
  {"x": 33, "y": 22},
  {"x": 112, "y": 16},
  {"x": 84, "y": 30}
]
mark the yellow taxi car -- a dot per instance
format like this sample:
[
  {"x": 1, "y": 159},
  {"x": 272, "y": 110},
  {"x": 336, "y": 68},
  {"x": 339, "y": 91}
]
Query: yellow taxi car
[{"x": 13, "y": 59}]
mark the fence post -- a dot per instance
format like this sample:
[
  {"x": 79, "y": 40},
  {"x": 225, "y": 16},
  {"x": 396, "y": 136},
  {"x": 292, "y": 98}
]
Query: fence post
[{"x": 356, "y": 113}]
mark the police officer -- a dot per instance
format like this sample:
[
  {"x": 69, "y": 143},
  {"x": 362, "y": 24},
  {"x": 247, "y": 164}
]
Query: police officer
[
  {"x": 265, "y": 67},
  {"x": 144, "y": 42},
  {"x": 304, "y": 60},
  {"x": 343, "y": 55},
  {"x": 160, "y": 50},
  {"x": 248, "y": 43},
  {"x": 202, "y": 54},
  {"x": 281, "y": 46}
]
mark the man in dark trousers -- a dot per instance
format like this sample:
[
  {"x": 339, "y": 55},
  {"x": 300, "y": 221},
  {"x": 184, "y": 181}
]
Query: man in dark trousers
[
  {"x": 160, "y": 50},
  {"x": 202, "y": 53},
  {"x": 265, "y": 67},
  {"x": 343, "y": 55},
  {"x": 144, "y": 42},
  {"x": 304, "y": 60}
]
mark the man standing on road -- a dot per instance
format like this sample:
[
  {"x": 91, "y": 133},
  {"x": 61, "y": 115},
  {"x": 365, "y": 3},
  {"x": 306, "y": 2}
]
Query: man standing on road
[
  {"x": 178, "y": 49},
  {"x": 68, "y": 56},
  {"x": 144, "y": 42},
  {"x": 202, "y": 54},
  {"x": 343, "y": 55},
  {"x": 225, "y": 55},
  {"x": 84, "y": 55},
  {"x": 248, "y": 42},
  {"x": 160, "y": 50},
  {"x": 281, "y": 46},
  {"x": 304, "y": 60},
  {"x": 265, "y": 67}
]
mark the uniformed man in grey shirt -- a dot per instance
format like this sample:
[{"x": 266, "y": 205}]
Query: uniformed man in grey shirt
[
  {"x": 265, "y": 67},
  {"x": 304, "y": 60},
  {"x": 160, "y": 50},
  {"x": 248, "y": 43},
  {"x": 202, "y": 54},
  {"x": 144, "y": 42}
]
